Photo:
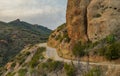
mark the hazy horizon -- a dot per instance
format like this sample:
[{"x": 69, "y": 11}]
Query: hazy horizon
[{"x": 49, "y": 13}]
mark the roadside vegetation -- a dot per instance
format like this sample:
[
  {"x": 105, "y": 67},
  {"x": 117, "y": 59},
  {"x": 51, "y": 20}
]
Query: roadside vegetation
[
  {"x": 95, "y": 71},
  {"x": 109, "y": 47},
  {"x": 37, "y": 56}
]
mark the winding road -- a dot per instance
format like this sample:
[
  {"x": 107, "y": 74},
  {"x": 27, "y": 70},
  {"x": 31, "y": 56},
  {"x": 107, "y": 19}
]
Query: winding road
[{"x": 52, "y": 53}]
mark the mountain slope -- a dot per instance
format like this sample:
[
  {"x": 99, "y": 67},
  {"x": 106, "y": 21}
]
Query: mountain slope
[
  {"x": 42, "y": 60},
  {"x": 17, "y": 34},
  {"x": 35, "y": 28}
]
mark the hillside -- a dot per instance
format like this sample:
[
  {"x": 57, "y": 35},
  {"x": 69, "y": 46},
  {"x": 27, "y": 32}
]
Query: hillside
[
  {"x": 34, "y": 61},
  {"x": 92, "y": 30},
  {"x": 15, "y": 35},
  {"x": 31, "y": 62}
]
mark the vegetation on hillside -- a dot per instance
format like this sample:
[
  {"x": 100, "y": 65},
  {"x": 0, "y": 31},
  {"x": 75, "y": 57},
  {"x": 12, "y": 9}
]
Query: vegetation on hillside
[
  {"x": 109, "y": 47},
  {"x": 15, "y": 35},
  {"x": 38, "y": 65},
  {"x": 62, "y": 34},
  {"x": 95, "y": 71}
]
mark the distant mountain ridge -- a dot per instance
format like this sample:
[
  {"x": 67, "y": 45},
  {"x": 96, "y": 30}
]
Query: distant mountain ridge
[
  {"x": 34, "y": 27},
  {"x": 15, "y": 35}
]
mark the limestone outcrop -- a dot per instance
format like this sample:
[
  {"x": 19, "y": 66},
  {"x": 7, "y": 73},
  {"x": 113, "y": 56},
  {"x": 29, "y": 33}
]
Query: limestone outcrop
[
  {"x": 103, "y": 18},
  {"x": 87, "y": 21},
  {"x": 92, "y": 19},
  {"x": 76, "y": 18}
]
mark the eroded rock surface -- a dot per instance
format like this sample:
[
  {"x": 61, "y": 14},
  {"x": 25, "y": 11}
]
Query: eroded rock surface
[
  {"x": 103, "y": 18},
  {"x": 77, "y": 19}
]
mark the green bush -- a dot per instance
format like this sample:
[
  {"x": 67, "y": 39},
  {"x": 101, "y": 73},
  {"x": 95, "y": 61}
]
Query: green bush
[
  {"x": 10, "y": 74},
  {"x": 22, "y": 60},
  {"x": 101, "y": 51},
  {"x": 92, "y": 45},
  {"x": 22, "y": 72},
  {"x": 96, "y": 71},
  {"x": 38, "y": 55},
  {"x": 13, "y": 64},
  {"x": 110, "y": 38},
  {"x": 51, "y": 65},
  {"x": 113, "y": 51},
  {"x": 110, "y": 51},
  {"x": 70, "y": 69},
  {"x": 27, "y": 53},
  {"x": 78, "y": 49}
]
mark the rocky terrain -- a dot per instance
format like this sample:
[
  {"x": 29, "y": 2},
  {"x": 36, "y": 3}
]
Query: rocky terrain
[{"x": 92, "y": 24}]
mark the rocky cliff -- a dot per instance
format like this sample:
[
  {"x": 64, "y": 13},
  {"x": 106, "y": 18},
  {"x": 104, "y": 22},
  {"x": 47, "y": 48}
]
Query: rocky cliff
[
  {"x": 103, "y": 18},
  {"x": 92, "y": 19},
  {"x": 76, "y": 18},
  {"x": 88, "y": 21}
]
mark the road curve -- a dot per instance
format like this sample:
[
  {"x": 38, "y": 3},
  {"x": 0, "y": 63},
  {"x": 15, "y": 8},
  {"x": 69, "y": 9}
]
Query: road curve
[{"x": 52, "y": 53}]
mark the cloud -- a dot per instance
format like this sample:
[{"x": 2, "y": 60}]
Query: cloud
[{"x": 50, "y": 13}]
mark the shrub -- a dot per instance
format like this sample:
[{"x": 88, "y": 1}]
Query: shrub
[
  {"x": 41, "y": 49},
  {"x": 38, "y": 55},
  {"x": 22, "y": 60},
  {"x": 10, "y": 74},
  {"x": 70, "y": 69},
  {"x": 50, "y": 66},
  {"x": 92, "y": 45},
  {"x": 27, "y": 53},
  {"x": 102, "y": 51},
  {"x": 78, "y": 49},
  {"x": 113, "y": 51},
  {"x": 13, "y": 64},
  {"x": 22, "y": 72},
  {"x": 96, "y": 71},
  {"x": 110, "y": 38},
  {"x": 97, "y": 15},
  {"x": 55, "y": 65}
]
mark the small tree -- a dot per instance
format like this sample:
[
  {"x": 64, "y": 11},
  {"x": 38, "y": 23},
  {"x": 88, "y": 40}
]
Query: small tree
[
  {"x": 96, "y": 71},
  {"x": 110, "y": 39},
  {"x": 113, "y": 51},
  {"x": 78, "y": 51},
  {"x": 70, "y": 69}
]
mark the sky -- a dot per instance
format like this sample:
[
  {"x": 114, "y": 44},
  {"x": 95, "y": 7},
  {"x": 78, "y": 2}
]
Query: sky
[{"x": 49, "y": 13}]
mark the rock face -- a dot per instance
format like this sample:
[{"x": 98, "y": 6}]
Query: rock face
[
  {"x": 77, "y": 19},
  {"x": 92, "y": 19},
  {"x": 103, "y": 18}
]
